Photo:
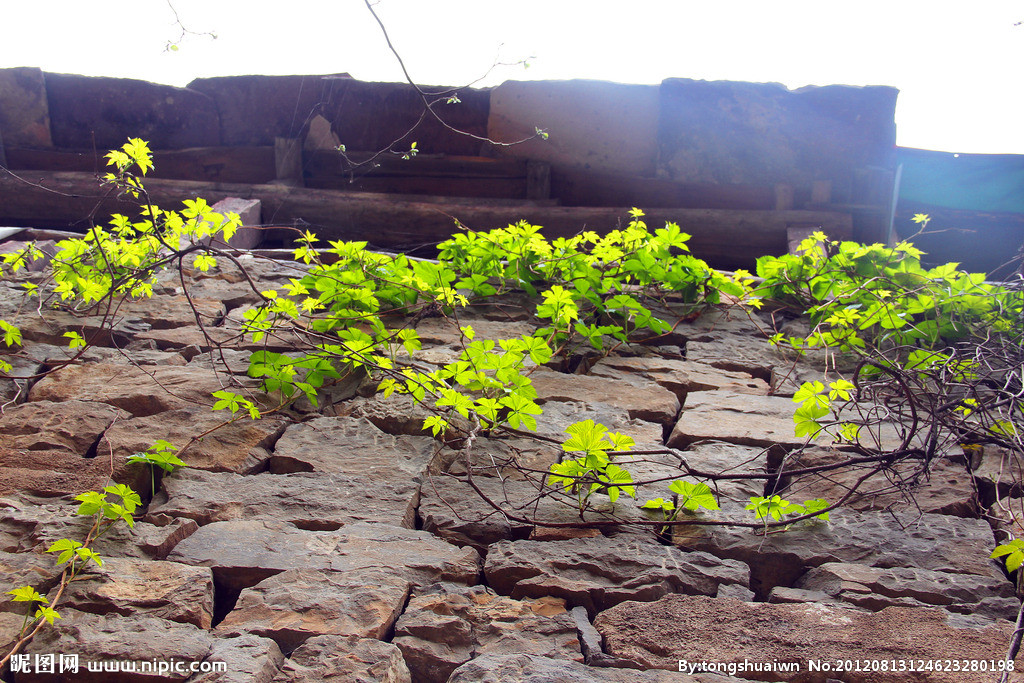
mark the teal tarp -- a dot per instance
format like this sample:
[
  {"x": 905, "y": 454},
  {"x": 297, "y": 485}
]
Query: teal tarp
[{"x": 974, "y": 182}]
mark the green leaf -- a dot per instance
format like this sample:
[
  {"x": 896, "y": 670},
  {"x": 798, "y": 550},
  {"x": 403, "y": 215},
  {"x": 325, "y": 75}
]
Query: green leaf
[
  {"x": 12, "y": 335},
  {"x": 1014, "y": 553},
  {"x": 436, "y": 424},
  {"x": 66, "y": 547},
  {"x": 204, "y": 262},
  {"x": 585, "y": 436},
  {"x": 694, "y": 496},
  {"x": 77, "y": 340},
  {"x": 47, "y": 613},
  {"x": 666, "y": 506},
  {"x": 92, "y": 502},
  {"x": 812, "y": 506},
  {"x": 27, "y": 594}
]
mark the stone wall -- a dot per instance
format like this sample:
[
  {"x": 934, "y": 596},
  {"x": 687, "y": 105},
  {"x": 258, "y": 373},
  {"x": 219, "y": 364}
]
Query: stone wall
[
  {"x": 342, "y": 543},
  {"x": 692, "y": 131}
]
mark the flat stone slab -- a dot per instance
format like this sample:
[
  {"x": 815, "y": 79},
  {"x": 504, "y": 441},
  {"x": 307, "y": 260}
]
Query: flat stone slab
[
  {"x": 124, "y": 586},
  {"x": 876, "y": 588},
  {"x": 744, "y": 419},
  {"x": 947, "y": 489},
  {"x": 695, "y": 628},
  {"x": 243, "y": 553},
  {"x": 452, "y": 510},
  {"x": 449, "y": 625},
  {"x": 295, "y": 605},
  {"x": 926, "y": 541},
  {"x": 70, "y": 426},
  {"x": 344, "y": 445},
  {"x": 313, "y": 501},
  {"x": 751, "y": 354},
  {"x": 558, "y": 415},
  {"x": 30, "y": 524},
  {"x": 345, "y": 659},
  {"x": 139, "y": 639},
  {"x": 523, "y": 668},
  {"x": 59, "y": 473},
  {"x": 137, "y": 391},
  {"x": 681, "y": 377},
  {"x": 642, "y": 399},
  {"x": 599, "y": 572},
  {"x": 241, "y": 446}
]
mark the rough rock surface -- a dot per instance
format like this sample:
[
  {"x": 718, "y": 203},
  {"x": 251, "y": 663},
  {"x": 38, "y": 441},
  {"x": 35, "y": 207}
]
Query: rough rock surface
[
  {"x": 743, "y": 419},
  {"x": 345, "y": 658},
  {"x": 450, "y": 625},
  {"x": 933, "y": 542},
  {"x": 130, "y": 388},
  {"x": 599, "y": 572},
  {"x": 133, "y": 638},
  {"x": 169, "y": 590},
  {"x": 522, "y": 668},
  {"x": 345, "y": 444},
  {"x": 295, "y": 605},
  {"x": 876, "y": 588},
  {"x": 697, "y": 628},
  {"x": 947, "y": 489},
  {"x": 314, "y": 501},
  {"x": 245, "y": 659},
  {"x": 642, "y": 399},
  {"x": 87, "y": 113},
  {"x": 24, "y": 114},
  {"x": 243, "y": 553},
  {"x": 241, "y": 446}
]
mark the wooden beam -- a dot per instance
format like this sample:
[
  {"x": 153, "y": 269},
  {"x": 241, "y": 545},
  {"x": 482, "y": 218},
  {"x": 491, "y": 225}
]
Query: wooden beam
[
  {"x": 213, "y": 164},
  {"x": 726, "y": 238}
]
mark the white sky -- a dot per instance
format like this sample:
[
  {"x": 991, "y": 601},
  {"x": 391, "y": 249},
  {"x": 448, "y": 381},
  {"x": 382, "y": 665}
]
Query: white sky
[{"x": 957, "y": 63}]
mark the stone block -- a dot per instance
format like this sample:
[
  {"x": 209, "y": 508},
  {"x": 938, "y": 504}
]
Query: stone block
[
  {"x": 88, "y": 112},
  {"x": 146, "y": 641},
  {"x": 298, "y": 604},
  {"x": 168, "y": 590},
  {"x": 130, "y": 388},
  {"x": 447, "y": 626},
  {"x": 24, "y": 111},
  {"x": 763, "y": 134},
  {"x": 242, "y": 446},
  {"x": 345, "y": 658},
  {"x": 879, "y": 539},
  {"x": 593, "y": 125},
  {"x": 246, "y": 659},
  {"x": 656, "y": 635},
  {"x": 315, "y": 501},
  {"x": 599, "y": 572},
  {"x": 250, "y": 211},
  {"x": 743, "y": 419},
  {"x": 243, "y": 553}
]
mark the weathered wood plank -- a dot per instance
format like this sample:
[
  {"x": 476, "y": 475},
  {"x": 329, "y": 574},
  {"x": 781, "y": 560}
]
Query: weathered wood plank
[
  {"x": 214, "y": 164},
  {"x": 331, "y": 163}
]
